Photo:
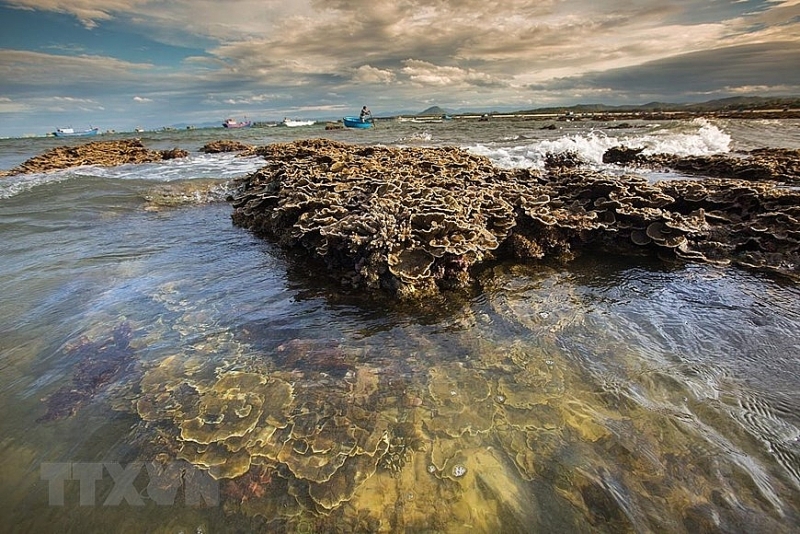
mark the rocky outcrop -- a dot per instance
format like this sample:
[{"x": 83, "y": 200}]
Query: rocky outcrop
[
  {"x": 416, "y": 220},
  {"x": 104, "y": 153},
  {"x": 225, "y": 145},
  {"x": 776, "y": 164}
]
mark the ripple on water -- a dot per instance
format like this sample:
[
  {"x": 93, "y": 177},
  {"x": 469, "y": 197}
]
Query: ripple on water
[{"x": 603, "y": 395}]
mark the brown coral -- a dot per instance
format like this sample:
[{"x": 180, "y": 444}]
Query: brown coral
[
  {"x": 416, "y": 220},
  {"x": 103, "y": 153}
]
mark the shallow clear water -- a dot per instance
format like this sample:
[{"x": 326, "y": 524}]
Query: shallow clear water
[{"x": 613, "y": 394}]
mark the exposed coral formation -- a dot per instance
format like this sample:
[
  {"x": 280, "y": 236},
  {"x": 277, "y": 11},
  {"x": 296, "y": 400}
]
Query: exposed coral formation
[
  {"x": 225, "y": 145},
  {"x": 415, "y": 220},
  {"x": 777, "y": 164},
  {"x": 404, "y": 219},
  {"x": 104, "y": 153}
]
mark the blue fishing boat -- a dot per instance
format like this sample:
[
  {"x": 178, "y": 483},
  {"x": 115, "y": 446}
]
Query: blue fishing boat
[
  {"x": 69, "y": 132},
  {"x": 355, "y": 122}
]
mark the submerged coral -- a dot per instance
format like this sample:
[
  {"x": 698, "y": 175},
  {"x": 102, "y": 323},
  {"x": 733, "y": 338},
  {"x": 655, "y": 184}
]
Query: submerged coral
[{"x": 99, "y": 363}]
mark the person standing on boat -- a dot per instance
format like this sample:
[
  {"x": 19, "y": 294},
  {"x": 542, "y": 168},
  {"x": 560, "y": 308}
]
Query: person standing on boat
[{"x": 365, "y": 113}]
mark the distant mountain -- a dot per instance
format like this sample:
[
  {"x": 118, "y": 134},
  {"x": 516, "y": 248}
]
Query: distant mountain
[
  {"x": 433, "y": 110},
  {"x": 723, "y": 104},
  {"x": 745, "y": 103}
]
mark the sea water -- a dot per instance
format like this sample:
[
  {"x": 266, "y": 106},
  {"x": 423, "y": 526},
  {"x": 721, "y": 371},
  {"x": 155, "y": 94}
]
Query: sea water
[{"x": 612, "y": 394}]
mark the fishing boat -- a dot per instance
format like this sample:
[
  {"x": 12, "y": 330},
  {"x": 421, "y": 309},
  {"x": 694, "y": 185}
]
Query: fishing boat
[
  {"x": 233, "y": 123},
  {"x": 293, "y": 123},
  {"x": 356, "y": 122},
  {"x": 70, "y": 132}
]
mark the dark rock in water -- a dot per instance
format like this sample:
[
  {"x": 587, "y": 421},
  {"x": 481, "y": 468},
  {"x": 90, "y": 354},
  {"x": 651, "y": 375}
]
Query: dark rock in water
[
  {"x": 225, "y": 145},
  {"x": 104, "y": 153},
  {"x": 622, "y": 154},
  {"x": 776, "y": 164},
  {"x": 417, "y": 220},
  {"x": 99, "y": 363},
  {"x": 173, "y": 153},
  {"x": 563, "y": 160}
]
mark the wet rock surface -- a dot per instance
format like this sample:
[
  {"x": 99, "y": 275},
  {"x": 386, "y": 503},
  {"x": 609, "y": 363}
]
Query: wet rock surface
[
  {"x": 103, "y": 153},
  {"x": 225, "y": 145},
  {"x": 778, "y": 164},
  {"x": 415, "y": 220}
]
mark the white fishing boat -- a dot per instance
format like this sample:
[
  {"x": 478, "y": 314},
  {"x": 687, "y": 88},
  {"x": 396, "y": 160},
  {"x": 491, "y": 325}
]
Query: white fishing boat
[{"x": 293, "y": 123}]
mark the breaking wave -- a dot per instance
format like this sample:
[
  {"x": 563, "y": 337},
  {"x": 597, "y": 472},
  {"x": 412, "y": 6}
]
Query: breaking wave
[
  {"x": 196, "y": 166},
  {"x": 695, "y": 138}
]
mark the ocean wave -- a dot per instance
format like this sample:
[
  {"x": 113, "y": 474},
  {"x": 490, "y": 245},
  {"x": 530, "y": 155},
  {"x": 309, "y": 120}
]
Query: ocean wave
[
  {"x": 195, "y": 167},
  {"x": 14, "y": 185},
  {"x": 696, "y": 138},
  {"x": 204, "y": 166}
]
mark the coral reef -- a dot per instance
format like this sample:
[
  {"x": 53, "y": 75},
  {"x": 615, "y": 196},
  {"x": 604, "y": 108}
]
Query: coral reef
[
  {"x": 104, "y": 153},
  {"x": 417, "y": 220},
  {"x": 225, "y": 145},
  {"x": 321, "y": 438},
  {"x": 99, "y": 363},
  {"x": 777, "y": 164}
]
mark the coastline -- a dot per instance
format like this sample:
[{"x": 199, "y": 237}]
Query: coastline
[
  {"x": 617, "y": 116},
  {"x": 576, "y": 114}
]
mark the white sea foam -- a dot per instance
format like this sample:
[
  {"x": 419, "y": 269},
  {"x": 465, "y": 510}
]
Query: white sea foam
[
  {"x": 418, "y": 137},
  {"x": 699, "y": 139},
  {"x": 708, "y": 139},
  {"x": 196, "y": 166},
  {"x": 528, "y": 149},
  {"x": 225, "y": 165},
  {"x": 14, "y": 185}
]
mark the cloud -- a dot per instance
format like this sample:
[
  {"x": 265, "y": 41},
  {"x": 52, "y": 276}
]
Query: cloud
[
  {"x": 724, "y": 70},
  {"x": 292, "y": 42},
  {"x": 368, "y": 74},
  {"x": 424, "y": 73},
  {"x": 285, "y": 57},
  {"x": 88, "y": 12},
  {"x": 8, "y": 105},
  {"x": 24, "y": 67},
  {"x": 248, "y": 100},
  {"x": 62, "y": 104}
]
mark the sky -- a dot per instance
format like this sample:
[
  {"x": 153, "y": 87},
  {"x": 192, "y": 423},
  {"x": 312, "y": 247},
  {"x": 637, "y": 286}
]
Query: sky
[{"x": 122, "y": 64}]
